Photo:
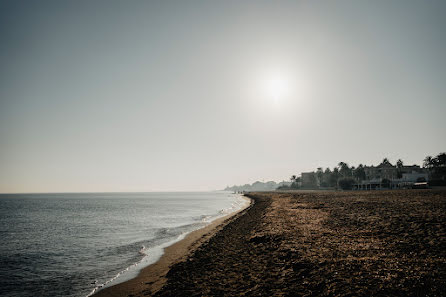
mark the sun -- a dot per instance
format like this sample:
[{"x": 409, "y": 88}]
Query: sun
[{"x": 276, "y": 88}]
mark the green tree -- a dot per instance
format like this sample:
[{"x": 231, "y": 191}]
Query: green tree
[
  {"x": 441, "y": 160},
  {"x": 319, "y": 174},
  {"x": 344, "y": 170},
  {"x": 326, "y": 178},
  {"x": 428, "y": 162},
  {"x": 346, "y": 183},
  {"x": 386, "y": 162},
  {"x": 334, "y": 178},
  {"x": 295, "y": 182},
  {"x": 437, "y": 169},
  {"x": 359, "y": 173},
  {"x": 399, "y": 166}
]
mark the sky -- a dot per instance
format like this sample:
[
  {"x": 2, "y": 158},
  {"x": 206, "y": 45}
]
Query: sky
[{"x": 197, "y": 95}]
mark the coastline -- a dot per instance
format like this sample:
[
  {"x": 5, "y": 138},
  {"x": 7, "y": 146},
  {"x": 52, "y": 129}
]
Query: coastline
[
  {"x": 364, "y": 243},
  {"x": 151, "y": 278}
]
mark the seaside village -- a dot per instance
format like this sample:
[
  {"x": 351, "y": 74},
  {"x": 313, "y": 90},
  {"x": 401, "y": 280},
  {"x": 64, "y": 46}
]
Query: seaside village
[
  {"x": 383, "y": 176},
  {"x": 363, "y": 177}
]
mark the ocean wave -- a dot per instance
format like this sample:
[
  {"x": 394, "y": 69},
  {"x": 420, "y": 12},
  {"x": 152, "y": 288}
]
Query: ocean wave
[
  {"x": 108, "y": 282},
  {"x": 151, "y": 250}
]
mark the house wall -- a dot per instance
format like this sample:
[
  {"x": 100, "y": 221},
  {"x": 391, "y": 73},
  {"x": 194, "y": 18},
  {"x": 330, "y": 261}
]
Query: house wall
[{"x": 309, "y": 179}]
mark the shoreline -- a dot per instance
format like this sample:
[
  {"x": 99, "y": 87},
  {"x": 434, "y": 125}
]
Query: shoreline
[
  {"x": 375, "y": 243},
  {"x": 151, "y": 278}
]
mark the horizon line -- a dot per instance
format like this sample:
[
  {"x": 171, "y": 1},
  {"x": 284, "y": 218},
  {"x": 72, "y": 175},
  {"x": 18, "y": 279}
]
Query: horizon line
[{"x": 112, "y": 192}]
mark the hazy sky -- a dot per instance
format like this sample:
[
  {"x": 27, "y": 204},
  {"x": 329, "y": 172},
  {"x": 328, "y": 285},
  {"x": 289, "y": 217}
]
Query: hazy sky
[{"x": 197, "y": 95}]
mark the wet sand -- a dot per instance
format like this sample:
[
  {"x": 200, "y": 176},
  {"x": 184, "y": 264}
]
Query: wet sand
[
  {"x": 378, "y": 243},
  {"x": 152, "y": 277}
]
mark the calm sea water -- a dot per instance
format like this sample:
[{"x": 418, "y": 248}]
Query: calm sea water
[{"x": 74, "y": 244}]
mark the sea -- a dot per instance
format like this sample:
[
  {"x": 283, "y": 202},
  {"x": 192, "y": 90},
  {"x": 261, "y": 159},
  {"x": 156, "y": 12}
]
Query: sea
[{"x": 74, "y": 244}]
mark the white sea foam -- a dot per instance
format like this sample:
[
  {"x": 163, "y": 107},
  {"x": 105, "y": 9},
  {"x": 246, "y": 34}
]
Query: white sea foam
[{"x": 153, "y": 254}]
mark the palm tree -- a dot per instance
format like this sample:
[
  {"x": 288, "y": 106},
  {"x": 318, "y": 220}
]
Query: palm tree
[
  {"x": 441, "y": 159},
  {"x": 428, "y": 162},
  {"x": 399, "y": 165},
  {"x": 344, "y": 170},
  {"x": 359, "y": 173},
  {"x": 294, "y": 182},
  {"x": 334, "y": 177},
  {"x": 327, "y": 177},
  {"x": 386, "y": 162},
  {"x": 341, "y": 164},
  {"x": 319, "y": 174}
]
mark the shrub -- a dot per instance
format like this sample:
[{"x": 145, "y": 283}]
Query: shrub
[
  {"x": 346, "y": 183},
  {"x": 385, "y": 183}
]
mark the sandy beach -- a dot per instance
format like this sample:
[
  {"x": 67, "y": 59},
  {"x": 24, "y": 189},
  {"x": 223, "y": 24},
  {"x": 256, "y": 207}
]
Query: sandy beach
[
  {"x": 152, "y": 277},
  {"x": 378, "y": 243},
  {"x": 323, "y": 244}
]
